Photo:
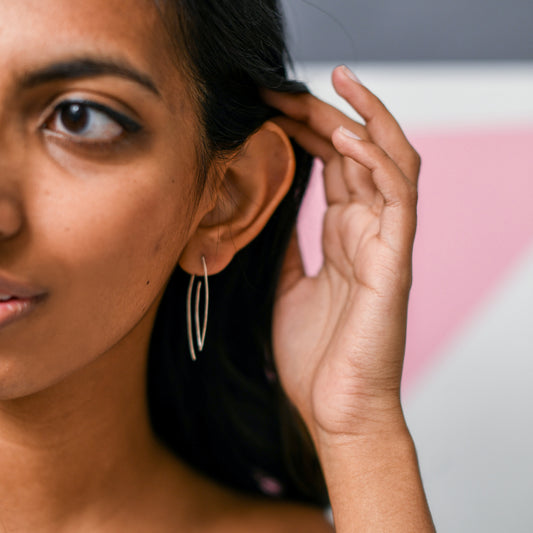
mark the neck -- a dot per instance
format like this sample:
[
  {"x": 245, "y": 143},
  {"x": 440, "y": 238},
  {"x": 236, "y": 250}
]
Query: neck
[{"x": 80, "y": 447}]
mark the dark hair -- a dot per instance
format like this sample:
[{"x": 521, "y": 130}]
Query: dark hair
[{"x": 226, "y": 414}]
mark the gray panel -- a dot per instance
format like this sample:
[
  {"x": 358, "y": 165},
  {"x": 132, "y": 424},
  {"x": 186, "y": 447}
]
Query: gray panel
[{"x": 343, "y": 30}]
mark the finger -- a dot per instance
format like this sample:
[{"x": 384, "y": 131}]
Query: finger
[
  {"x": 307, "y": 138},
  {"x": 398, "y": 217},
  {"x": 334, "y": 183},
  {"x": 359, "y": 182},
  {"x": 338, "y": 189},
  {"x": 380, "y": 124},
  {"x": 335, "y": 187},
  {"x": 322, "y": 118}
]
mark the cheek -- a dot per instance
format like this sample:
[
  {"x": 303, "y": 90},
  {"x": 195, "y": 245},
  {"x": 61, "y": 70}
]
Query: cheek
[
  {"x": 102, "y": 224},
  {"x": 116, "y": 245},
  {"x": 104, "y": 249}
]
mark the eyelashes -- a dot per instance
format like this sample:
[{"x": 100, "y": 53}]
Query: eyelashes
[{"x": 89, "y": 124}]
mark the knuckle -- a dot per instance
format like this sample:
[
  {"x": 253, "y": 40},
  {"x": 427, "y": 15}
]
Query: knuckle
[
  {"x": 412, "y": 192},
  {"x": 416, "y": 159},
  {"x": 412, "y": 196},
  {"x": 373, "y": 101},
  {"x": 409, "y": 194}
]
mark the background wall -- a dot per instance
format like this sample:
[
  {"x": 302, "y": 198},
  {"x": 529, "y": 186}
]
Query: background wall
[
  {"x": 410, "y": 29},
  {"x": 467, "y": 389}
]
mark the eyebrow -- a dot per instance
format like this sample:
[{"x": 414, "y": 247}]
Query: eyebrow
[{"x": 84, "y": 68}]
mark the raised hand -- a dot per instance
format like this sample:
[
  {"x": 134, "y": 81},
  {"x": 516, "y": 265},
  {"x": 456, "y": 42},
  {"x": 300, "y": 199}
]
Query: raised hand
[{"x": 339, "y": 338}]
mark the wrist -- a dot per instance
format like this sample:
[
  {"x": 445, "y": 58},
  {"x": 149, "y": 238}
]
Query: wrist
[
  {"x": 374, "y": 483},
  {"x": 372, "y": 422},
  {"x": 373, "y": 445}
]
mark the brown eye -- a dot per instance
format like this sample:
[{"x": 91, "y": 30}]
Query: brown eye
[
  {"x": 74, "y": 117},
  {"x": 89, "y": 122}
]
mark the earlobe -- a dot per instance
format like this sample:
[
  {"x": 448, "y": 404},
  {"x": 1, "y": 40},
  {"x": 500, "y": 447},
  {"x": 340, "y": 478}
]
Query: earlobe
[{"x": 254, "y": 184}]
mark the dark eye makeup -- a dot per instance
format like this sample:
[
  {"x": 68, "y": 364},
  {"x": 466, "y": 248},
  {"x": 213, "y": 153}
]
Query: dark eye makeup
[{"x": 77, "y": 116}]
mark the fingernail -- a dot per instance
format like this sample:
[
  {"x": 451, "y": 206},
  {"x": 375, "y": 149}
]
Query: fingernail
[
  {"x": 349, "y": 133},
  {"x": 350, "y": 74}
]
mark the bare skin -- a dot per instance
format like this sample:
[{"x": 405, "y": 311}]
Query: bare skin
[
  {"x": 96, "y": 225},
  {"x": 350, "y": 320},
  {"x": 93, "y": 220}
]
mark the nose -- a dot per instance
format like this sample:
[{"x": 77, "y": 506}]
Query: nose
[
  {"x": 13, "y": 166},
  {"x": 13, "y": 162},
  {"x": 10, "y": 216}
]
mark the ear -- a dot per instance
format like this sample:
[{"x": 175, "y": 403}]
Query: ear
[{"x": 253, "y": 185}]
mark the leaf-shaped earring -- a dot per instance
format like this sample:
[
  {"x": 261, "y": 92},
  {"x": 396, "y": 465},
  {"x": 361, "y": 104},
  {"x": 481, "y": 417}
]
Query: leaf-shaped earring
[{"x": 200, "y": 331}]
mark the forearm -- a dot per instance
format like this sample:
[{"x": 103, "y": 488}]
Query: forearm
[{"x": 374, "y": 485}]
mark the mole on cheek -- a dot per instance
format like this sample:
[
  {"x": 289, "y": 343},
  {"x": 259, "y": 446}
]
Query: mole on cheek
[{"x": 157, "y": 247}]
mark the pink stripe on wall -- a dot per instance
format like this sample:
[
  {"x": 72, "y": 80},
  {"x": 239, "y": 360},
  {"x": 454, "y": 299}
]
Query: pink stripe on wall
[{"x": 475, "y": 218}]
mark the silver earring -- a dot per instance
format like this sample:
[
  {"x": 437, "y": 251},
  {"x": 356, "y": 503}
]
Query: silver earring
[{"x": 200, "y": 332}]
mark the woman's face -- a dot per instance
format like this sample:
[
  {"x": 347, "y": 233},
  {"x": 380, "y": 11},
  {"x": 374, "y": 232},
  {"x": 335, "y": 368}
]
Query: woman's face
[{"x": 97, "y": 170}]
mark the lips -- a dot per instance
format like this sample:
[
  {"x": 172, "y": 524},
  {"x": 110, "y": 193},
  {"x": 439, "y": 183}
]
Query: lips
[
  {"x": 10, "y": 287},
  {"x": 17, "y": 299}
]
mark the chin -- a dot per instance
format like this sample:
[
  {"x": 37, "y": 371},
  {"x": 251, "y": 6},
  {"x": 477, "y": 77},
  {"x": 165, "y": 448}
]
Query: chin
[{"x": 17, "y": 382}]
